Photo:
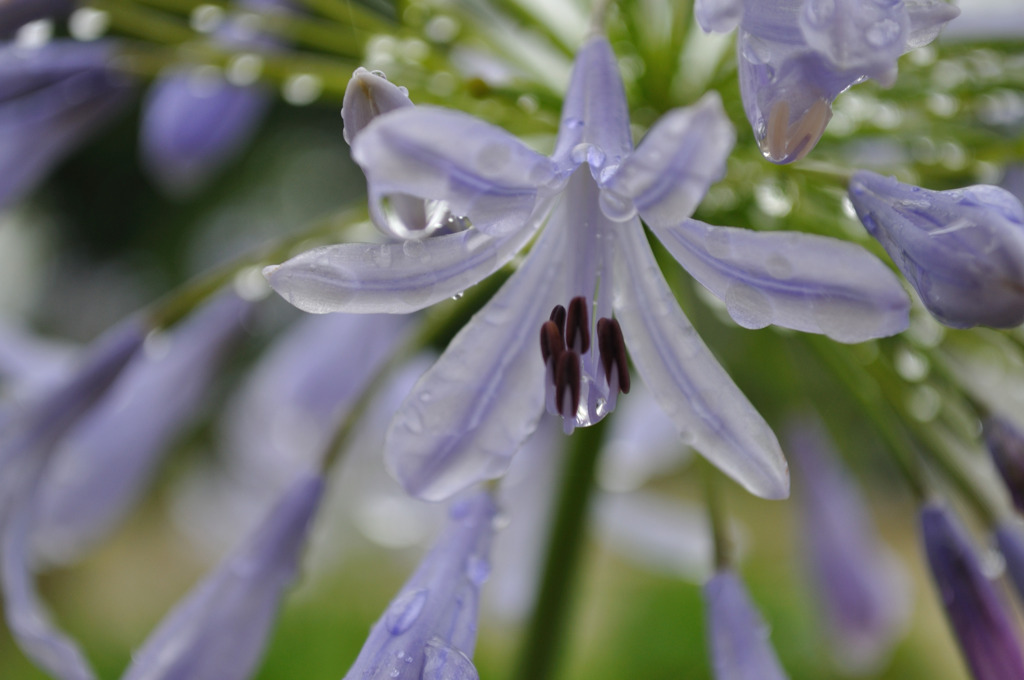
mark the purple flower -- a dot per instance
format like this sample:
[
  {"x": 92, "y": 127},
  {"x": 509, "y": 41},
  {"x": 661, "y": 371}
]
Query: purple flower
[
  {"x": 101, "y": 466},
  {"x": 962, "y": 250},
  {"x": 429, "y": 630},
  {"x": 1006, "y": 444},
  {"x": 861, "y": 587},
  {"x": 194, "y": 121},
  {"x": 738, "y": 636},
  {"x": 977, "y": 613},
  {"x": 480, "y": 401},
  {"x": 219, "y": 630},
  {"x": 1010, "y": 539},
  {"x": 51, "y": 99},
  {"x": 27, "y": 444},
  {"x": 796, "y": 56}
]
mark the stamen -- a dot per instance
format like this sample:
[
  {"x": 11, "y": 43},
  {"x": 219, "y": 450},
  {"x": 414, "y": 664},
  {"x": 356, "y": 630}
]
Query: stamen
[
  {"x": 576, "y": 322},
  {"x": 567, "y": 377},
  {"x": 612, "y": 349},
  {"x": 551, "y": 343},
  {"x": 558, "y": 316}
]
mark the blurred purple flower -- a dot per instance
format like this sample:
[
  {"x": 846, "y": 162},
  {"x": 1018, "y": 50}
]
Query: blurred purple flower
[
  {"x": 1006, "y": 444},
  {"x": 796, "y": 56},
  {"x": 738, "y": 636},
  {"x": 102, "y": 464},
  {"x": 16, "y": 13},
  {"x": 982, "y": 625},
  {"x": 473, "y": 409},
  {"x": 1009, "y": 536},
  {"x": 194, "y": 121},
  {"x": 25, "y": 452},
  {"x": 861, "y": 586},
  {"x": 219, "y": 631},
  {"x": 962, "y": 250},
  {"x": 52, "y": 98},
  {"x": 429, "y": 630}
]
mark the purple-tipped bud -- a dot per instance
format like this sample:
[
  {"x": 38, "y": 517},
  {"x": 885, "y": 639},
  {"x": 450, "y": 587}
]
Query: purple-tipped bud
[
  {"x": 219, "y": 631},
  {"x": 52, "y": 98},
  {"x": 978, "y": 615},
  {"x": 429, "y": 630},
  {"x": 1006, "y": 444},
  {"x": 859, "y": 584},
  {"x": 962, "y": 250},
  {"x": 1010, "y": 539},
  {"x": 740, "y": 649}
]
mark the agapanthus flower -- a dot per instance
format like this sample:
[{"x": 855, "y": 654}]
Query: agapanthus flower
[
  {"x": 796, "y": 56},
  {"x": 16, "y": 13},
  {"x": 473, "y": 409},
  {"x": 861, "y": 586},
  {"x": 962, "y": 250},
  {"x": 52, "y": 98},
  {"x": 1009, "y": 535},
  {"x": 194, "y": 121},
  {"x": 218, "y": 632},
  {"x": 26, "y": 445},
  {"x": 976, "y": 611},
  {"x": 429, "y": 630},
  {"x": 738, "y": 636}
]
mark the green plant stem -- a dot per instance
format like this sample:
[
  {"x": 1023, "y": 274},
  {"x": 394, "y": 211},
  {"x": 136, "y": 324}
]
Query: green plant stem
[
  {"x": 721, "y": 541},
  {"x": 545, "y": 636}
]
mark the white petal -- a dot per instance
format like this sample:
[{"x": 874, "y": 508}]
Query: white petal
[
  {"x": 706, "y": 406},
  {"x": 801, "y": 281},
  {"x": 472, "y": 410}
]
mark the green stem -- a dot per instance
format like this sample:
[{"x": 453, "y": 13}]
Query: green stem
[
  {"x": 545, "y": 636},
  {"x": 722, "y": 543}
]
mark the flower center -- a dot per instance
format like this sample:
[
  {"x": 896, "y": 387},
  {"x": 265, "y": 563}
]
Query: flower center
[{"x": 582, "y": 386}]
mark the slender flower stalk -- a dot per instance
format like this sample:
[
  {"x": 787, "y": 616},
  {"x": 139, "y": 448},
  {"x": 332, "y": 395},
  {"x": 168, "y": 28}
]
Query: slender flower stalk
[
  {"x": 592, "y": 261},
  {"x": 987, "y": 635},
  {"x": 962, "y": 250}
]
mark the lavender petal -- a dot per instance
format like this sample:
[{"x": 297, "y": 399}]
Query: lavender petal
[
  {"x": 962, "y": 250},
  {"x": 472, "y": 410},
  {"x": 219, "y": 630},
  {"x": 738, "y": 635},
  {"x": 429, "y": 630},
  {"x": 482, "y": 172},
  {"x": 976, "y": 612},
  {"x": 708, "y": 409},
  {"x": 801, "y": 281}
]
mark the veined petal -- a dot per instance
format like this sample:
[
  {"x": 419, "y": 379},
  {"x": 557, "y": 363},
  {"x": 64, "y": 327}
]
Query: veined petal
[
  {"x": 707, "y": 408},
  {"x": 718, "y": 16},
  {"x": 802, "y": 281},
  {"x": 854, "y": 35},
  {"x": 669, "y": 173},
  {"x": 396, "y": 278},
  {"x": 962, "y": 250},
  {"x": 429, "y": 630},
  {"x": 740, "y": 649},
  {"x": 481, "y": 171},
  {"x": 219, "y": 631},
  {"x": 472, "y": 410},
  {"x": 594, "y": 127}
]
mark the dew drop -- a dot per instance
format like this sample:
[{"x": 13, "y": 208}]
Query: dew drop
[
  {"x": 615, "y": 207},
  {"x": 414, "y": 249},
  {"x": 394, "y": 673},
  {"x": 572, "y": 123},
  {"x": 459, "y": 295},
  {"x": 444, "y": 662},
  {"x": 819, "y": 12},
  {"x": 404, "y": 611},
  {"x": 748, "y": 306},
  {"x": 477, "y": 570},
  {"x": 493, "y": 158},
  {"x": 718, "y": 243},
  {"x": 779, "y": 267},
  {"x": 755, "y": 50}
]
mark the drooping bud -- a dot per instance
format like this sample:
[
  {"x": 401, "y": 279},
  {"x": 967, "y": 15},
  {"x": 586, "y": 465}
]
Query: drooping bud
[
  {"x": 1006, "y": 444},
  {"x": 962, "y": 250},
  {"x": 740, "y": 649}
]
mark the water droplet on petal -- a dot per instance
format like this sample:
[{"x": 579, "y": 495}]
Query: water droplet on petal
[
  {"x": 477, "y": 569},
  {"x": 444, "y": 662},
  {"x": 404, "y": 611},
  {"x": 748, "y": 306},
  {"x": 779, "y": 267},
  {"x": 616, "y": 207},
  {"x": 882, "y": 33},
  {"x": 819, "y": 12}
]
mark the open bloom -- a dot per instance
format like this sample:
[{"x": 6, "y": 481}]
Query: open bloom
[
  {"x": 471, "y": 411},
  {"x": 962, "y": 250},
  {"x": 796, "y": 56}
]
